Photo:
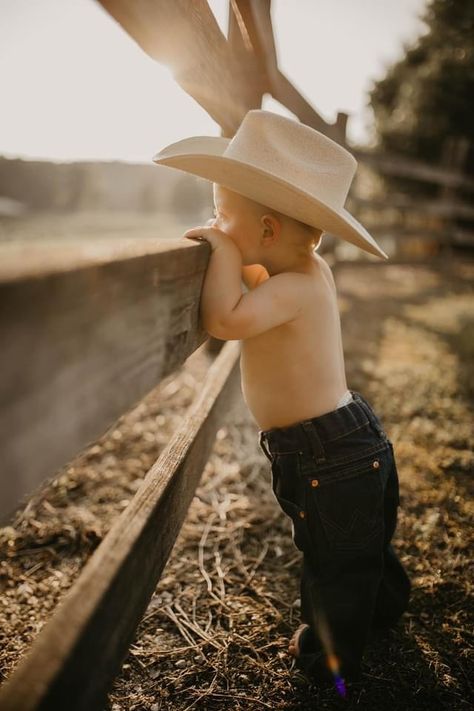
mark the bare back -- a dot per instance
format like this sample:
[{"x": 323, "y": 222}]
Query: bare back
[{"x": 296, "y": 371}]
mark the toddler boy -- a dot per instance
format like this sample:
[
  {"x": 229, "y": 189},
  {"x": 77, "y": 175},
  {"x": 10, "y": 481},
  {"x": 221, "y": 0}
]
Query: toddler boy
[{"x": 277, "y": 186}]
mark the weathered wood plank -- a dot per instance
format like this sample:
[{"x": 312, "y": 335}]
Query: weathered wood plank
[
  {"x": 86, "y": 333},
  {"x": 226, "y": 81},
  {"x": 284, "y": 92},
  {"x": 439, "y": 235},
  {"x": 245, "y": 44},
  {"x": 439, "y": 208},
  {"x": 186, "y": 37},
  {"x": 257, "y": 18},
  {"x": 413, "y": 169},
  {"x": 75, "y": 657},
  {"x": 461, "y": 237}
]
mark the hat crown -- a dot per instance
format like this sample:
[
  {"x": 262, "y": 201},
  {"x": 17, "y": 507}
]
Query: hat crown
[{"x": 295, "y": 153}]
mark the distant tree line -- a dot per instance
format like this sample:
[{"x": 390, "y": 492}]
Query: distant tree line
[{"x": 77, "y": 186}]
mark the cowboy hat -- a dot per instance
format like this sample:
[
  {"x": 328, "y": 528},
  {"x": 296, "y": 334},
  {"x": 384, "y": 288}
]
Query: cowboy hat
[{"x": 282, "y": 164}]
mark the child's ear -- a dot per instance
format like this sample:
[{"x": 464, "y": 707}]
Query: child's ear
[
  {"x": 268, "y": 227},
  {"x": 271, "y": 226}
]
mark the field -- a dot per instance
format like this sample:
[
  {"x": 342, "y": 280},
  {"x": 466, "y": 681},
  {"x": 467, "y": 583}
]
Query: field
[
  {"x": 216, "y": 631},
  {"x": 93, "y": 225}
]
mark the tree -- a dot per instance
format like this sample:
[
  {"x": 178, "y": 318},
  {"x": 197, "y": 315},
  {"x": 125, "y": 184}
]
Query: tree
[{"x": 426, "y": 97}]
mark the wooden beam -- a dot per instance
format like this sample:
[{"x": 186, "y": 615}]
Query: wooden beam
[
  {"x": 245, "y": 44},
  {"x": 413, "y": 169},
  {"x": 437, "y": 208},
  {"x": 261, "y": 30},
  {"x": 284, "y": 92},
  {"x": 401, "y": 233},
  {"x": 87, "y": 330},
  {"x": 227, "y": 78},
  {"x": 279, "y": 86},
  {"x": 186, "y": 37},
  {"x": 72, "y": 662},
  {"x": 461, "y": 237}
]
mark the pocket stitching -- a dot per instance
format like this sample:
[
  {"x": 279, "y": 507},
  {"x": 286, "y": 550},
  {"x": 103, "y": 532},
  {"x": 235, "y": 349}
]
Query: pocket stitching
[
  {"x": 329, "y": 525},
  {"x": 347, "y": 432},
  {"x": 335, "y": 472},
  {"x": 348, "y": 544},
  {"x": 359, "y": 469}
]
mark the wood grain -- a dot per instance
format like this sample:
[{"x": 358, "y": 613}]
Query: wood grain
[
  {"x": 186, "y": 38},
  {"x": 72, "y": 662},
  {"x": 86, "y": 333}
]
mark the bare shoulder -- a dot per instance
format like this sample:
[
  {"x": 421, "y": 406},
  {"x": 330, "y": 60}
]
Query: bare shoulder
[
  {"x": 326, "y": 270},
  {"x": 287, "y": 290},
  {"x": 298, "y": 285},
  {"x": 288, "y": 282}
]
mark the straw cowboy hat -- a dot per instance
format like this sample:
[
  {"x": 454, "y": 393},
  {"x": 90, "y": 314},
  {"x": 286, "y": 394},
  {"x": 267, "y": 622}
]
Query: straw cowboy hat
[{"x": 283, "y": 164}]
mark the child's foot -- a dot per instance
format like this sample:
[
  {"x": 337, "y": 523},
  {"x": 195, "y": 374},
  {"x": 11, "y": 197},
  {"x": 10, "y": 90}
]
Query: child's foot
[
  {"x": 294, "y": 645},
  {"x": 312, "y": 661}
]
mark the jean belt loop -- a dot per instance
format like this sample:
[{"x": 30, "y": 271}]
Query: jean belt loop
[
  {"x": 314, "y": 440},
  {"x": 372, "y": 419},
  {"x": 264, "y": 446}
]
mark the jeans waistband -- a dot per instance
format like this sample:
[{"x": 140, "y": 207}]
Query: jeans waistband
[{"x": 323, "y": 428}]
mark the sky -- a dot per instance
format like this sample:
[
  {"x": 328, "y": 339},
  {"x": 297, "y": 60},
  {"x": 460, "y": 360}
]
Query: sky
[{"x": 75, "y": 86}]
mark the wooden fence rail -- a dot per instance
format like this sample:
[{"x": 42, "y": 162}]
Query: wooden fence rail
[
  {"x": 71, "y": 663},
  {"x": 403, "y": 167},
  {"x": 227, "y": 77},
  {"x": 87, "y": 331}
]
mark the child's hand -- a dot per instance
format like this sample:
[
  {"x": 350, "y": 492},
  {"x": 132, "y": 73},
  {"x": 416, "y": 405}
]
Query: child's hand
[{"x": 214, "y": 236}]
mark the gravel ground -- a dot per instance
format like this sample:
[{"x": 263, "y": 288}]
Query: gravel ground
[{"x": 216, "y": 632}]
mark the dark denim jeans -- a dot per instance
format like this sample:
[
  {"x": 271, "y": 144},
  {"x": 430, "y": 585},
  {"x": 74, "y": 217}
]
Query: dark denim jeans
[{"x": 336, "y": 477}]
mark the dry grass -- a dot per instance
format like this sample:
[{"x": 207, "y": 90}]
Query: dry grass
[{"x": 216, "y": 631}]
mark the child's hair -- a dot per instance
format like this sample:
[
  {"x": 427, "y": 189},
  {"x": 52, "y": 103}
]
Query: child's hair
[{"x": 314, "y": 234}]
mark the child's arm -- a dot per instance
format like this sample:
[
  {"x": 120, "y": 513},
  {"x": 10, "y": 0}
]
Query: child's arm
[
  {"x": 228, "y": 314},
  {"x": 222, "y": 287},
  {"x": 277, "y": 300}
]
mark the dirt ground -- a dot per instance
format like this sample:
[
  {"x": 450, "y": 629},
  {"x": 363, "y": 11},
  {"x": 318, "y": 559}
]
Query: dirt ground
[{"x": 215, "y": 634}]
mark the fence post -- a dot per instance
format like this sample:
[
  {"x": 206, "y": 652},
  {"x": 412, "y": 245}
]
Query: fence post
[
  {"x": 241, "y": 25},
  {"x": 341, "y": 127},
  {"x": 453, "y": 157}
]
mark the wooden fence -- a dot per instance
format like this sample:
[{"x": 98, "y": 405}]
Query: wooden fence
[
  {"x": 88, "y": 331},
  {"x": 443, "y": 222}
]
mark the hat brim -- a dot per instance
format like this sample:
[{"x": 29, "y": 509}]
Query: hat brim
[{"x": 203, "y": 156}]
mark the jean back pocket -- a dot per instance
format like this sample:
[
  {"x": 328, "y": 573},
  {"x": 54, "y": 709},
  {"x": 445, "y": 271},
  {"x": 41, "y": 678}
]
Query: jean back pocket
[{"x": 348, "y": 501}]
